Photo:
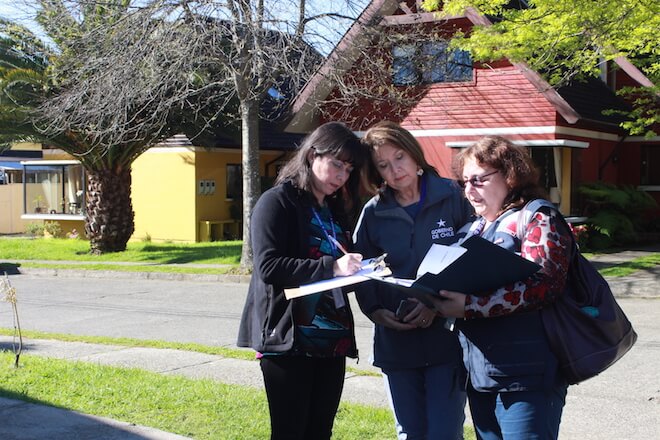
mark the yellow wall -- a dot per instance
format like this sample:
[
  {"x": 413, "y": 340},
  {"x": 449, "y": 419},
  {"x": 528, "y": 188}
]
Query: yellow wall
[
  {"x": 212, "y": 165},
  {"x": 55, "y": 154},
  {"x": 68, "y": 226},
  {"x": 26, "y": 146},
  {"x": 163, "y": 195},
  {"x": 166, "y": 197},
  {"x": 11, "y": 208}
]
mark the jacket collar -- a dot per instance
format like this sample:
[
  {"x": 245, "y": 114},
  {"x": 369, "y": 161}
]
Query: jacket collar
[{"x": 437, "y": 189}]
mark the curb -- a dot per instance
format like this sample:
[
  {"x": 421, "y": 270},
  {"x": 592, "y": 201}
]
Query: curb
[
  {"x": 81, "y": 273},
  {"x": 643, "y": 284}
]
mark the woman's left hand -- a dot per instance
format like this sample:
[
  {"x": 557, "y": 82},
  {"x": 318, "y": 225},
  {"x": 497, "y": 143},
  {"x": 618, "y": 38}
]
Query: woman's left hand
[
  {"x": 421, "y": 316},
  {"x": 449, "y": 304}
]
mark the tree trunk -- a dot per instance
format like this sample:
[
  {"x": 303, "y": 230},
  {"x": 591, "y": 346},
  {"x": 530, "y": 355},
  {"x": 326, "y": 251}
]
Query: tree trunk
[
  {"x": 251, "y": 175},
  {"x": 109, "y": 217}
]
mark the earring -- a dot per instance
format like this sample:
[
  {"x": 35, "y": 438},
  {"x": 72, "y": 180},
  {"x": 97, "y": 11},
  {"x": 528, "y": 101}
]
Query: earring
[{"x": 420, "y": 171}]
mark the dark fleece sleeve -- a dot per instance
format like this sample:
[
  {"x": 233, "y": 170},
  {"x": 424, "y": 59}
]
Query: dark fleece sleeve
[{"x": 276, "y": 232}]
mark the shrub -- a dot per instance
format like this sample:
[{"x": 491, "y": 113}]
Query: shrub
[
  {"x": 54, "y": 229},
  {"x": 615, "y": 213},
  {"x": 34, "y": 229}
]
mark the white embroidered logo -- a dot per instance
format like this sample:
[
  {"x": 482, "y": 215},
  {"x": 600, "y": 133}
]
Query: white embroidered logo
[{"x": 442, "y": 231}]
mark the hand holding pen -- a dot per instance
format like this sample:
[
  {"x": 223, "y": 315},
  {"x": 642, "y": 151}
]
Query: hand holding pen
[{"x": 348, "y": 264}]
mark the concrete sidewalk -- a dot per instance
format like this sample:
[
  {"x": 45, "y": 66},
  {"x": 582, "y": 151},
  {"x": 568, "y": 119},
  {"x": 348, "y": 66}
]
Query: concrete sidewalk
[{"x": 629, "y": 390}]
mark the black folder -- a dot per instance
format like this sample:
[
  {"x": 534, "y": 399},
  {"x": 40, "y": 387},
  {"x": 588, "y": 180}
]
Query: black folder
[{"x": 483, "y": 268}]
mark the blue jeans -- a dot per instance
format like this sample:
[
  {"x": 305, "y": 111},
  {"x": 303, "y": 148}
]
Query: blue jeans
[
  {"x": 427, "y": 402},
  {"x": 517, "y": 415}
]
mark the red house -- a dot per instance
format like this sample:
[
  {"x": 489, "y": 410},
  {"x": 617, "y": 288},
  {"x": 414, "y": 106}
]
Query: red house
[{"x": 457, "y": 101}]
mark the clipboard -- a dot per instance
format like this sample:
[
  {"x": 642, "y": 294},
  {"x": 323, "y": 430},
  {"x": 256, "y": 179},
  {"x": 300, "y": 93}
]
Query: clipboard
[{"x": 372, "y": 268}]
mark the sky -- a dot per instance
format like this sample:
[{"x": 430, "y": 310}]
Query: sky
[
  {"x": 22, "y": 10},
  {"x": 14, "y": 9}
]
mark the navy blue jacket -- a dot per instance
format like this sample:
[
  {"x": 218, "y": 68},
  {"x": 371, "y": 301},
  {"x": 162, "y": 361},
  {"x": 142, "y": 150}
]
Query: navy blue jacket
[{"x": 384, "y": 226}]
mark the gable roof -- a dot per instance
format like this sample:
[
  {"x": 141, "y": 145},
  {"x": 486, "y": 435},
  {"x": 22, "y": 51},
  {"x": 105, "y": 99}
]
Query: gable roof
[
  {"x": 271, "y": 138},
  {"x": 568, "y": 101},
  {"x": 590, "y": 98}
]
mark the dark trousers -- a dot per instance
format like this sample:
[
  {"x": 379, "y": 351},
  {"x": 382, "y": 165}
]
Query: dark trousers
[{"x": 303, "y": 395}]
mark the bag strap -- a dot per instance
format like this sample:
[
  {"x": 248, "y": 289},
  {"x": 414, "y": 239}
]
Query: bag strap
[
  {"x": 526, "y": 213},
  {"x": 525, "y": 216}
]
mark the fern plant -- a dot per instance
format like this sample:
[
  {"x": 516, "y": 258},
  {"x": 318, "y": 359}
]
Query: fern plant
[{"x": 616, "y": 213}]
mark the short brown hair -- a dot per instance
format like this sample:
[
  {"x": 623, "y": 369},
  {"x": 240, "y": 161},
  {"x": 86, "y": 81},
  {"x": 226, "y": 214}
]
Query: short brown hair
[
  {"x": 388, "y": 132},
  {"x": 513, "y": 161}
]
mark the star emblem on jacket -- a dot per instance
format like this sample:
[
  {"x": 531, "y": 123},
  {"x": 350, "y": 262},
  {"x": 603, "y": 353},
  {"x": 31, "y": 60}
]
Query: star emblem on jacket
[{"x": 441, "y": 223}]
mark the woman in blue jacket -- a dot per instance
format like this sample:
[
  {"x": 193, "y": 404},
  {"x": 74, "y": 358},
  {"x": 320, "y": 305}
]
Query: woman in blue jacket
[
  {"x": 515, "y": 388},
  {"x": 419, "y": 357},
  {"x": 298, "y": 230}
]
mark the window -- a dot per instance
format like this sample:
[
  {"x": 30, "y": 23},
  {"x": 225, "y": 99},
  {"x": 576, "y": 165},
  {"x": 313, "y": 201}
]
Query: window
[
  {"x": 234, "y": 182},
  {"x": 650, "y": 174},
  {"x": 428, "y": 63},
  {"x": 403, "y": 65},
  {"x": 548, "y": 161},
  {"x": 54, "y": 187}
]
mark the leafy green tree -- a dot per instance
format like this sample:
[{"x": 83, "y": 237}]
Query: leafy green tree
[
  {"x": 568, "y": 40},
  {"x": 23, "y": 63}
]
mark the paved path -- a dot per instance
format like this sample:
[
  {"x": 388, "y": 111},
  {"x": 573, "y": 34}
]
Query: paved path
[{"x": 622, "y": 403}]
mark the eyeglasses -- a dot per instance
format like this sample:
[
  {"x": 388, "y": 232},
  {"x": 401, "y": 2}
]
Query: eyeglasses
[{"x": 477, "y": 181}]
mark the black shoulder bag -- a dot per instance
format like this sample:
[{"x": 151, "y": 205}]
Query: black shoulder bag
[{"x": 585, "y": 327}]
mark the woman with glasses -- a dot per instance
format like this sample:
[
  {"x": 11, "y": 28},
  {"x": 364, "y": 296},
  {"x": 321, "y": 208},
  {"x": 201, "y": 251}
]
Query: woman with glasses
[
  {"x": 514, "y": 387},
  {"x": 420, "y": 358},
  {"x": 300, "y": 232}
]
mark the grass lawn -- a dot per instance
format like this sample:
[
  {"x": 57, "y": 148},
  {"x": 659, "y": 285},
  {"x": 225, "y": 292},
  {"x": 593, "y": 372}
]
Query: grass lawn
[
  {"x": 218, "y": 252},
  {"x": 201, "y": 409},
  {"x": 143, "y": 256},
  {"x": 630, "y": 267}
]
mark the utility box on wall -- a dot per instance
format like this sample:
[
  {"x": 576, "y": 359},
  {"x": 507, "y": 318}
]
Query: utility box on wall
[{"x": 206, "y": 187}]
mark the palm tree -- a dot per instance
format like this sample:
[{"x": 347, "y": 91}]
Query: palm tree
[
  {"x": 23, "y": 63},
  {"x": 41, "y": 101}
]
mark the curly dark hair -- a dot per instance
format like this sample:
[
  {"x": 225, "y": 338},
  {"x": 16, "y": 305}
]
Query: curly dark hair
[{"x": 512, "y": 161}]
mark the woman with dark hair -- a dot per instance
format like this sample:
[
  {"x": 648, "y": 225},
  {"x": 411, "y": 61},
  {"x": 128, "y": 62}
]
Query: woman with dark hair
[
  {"x": 300, "y": 230},
  {"x": 515, "y": 388},
  {"x": 420, "y": 358}
]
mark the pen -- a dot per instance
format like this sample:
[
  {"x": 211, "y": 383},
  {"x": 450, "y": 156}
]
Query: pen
[{"x": 336, "y": 242}]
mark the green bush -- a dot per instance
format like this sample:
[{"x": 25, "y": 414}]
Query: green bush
[
  {"x": 54, "y": 229},
  {"x": 34, "y": 229},
  {"x": 616, "y": 213}
]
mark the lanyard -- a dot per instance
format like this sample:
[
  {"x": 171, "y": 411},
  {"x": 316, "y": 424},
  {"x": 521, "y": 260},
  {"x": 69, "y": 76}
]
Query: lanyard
[
  {"x": 480, "y": 227},
  {"x": 333, "y": 240}
]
